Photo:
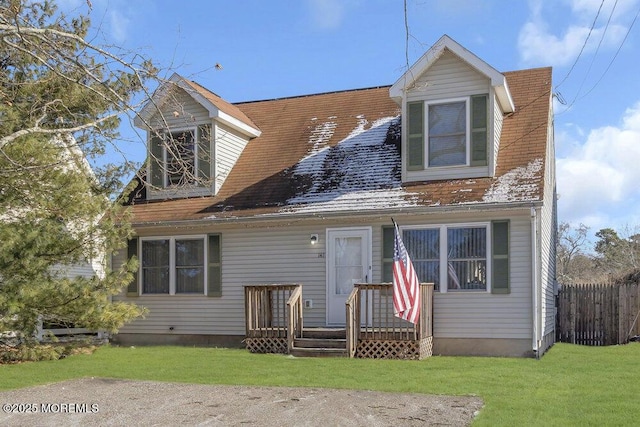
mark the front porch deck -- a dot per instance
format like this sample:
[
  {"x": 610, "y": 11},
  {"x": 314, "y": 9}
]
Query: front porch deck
[{"x": 274, "y": 323}]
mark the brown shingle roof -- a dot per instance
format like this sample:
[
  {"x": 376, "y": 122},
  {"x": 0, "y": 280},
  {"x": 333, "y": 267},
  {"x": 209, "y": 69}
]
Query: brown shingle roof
[
  {"x": 340, "y": 152},
  {"x": 221, "y": 104}
]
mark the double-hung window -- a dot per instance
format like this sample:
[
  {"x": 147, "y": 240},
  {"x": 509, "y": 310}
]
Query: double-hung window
[
  {"x": 180, "y": 157},
  {"x": 456, "y": 258},
  {"x": 177, "y": 265},
  {"x": 173, "y": 265},
  {"x": 447, "y": 133}
]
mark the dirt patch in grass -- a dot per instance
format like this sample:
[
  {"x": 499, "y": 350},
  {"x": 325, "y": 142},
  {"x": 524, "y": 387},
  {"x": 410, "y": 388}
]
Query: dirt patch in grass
[{"x": 98, "y": 401}]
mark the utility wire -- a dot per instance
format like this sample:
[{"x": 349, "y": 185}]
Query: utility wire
[
  {"x": 583, "y": 46},
  {"x": 593, "y": 58},
  {"x": 635, "y": 18}
]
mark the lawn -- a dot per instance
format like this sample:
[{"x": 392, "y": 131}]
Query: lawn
[{"x": 570, "y": 385}]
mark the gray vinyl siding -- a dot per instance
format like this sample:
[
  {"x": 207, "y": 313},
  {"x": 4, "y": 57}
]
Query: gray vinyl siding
[
  {"x": 548, "y": 242},
  {"x": 228, "y": 147},
  {"x": 83, "y": 269},
  {"x": 250, "y": 257},
  {"x": 482, "y": 314},
  {"x": 449, "y": 77},
  {"x": 180, "y": 111},
  {"x": 486, "y": 315},
  {"x": 282, "y": 254}
]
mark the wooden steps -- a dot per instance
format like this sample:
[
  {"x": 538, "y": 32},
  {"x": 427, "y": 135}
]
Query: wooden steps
[{"x": 321, "y": 342}]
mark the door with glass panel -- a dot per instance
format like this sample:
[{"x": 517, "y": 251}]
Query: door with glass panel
[{"x": 348, "y": 262}]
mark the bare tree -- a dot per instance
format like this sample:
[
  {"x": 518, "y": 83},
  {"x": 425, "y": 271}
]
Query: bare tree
[{"x": 574, "y": 263}]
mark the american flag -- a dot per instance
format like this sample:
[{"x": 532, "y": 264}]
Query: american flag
[{"x": 406, "y": 286}]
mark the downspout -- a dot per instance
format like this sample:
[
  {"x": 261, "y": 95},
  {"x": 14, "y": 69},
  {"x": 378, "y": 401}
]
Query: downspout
[{"x": 534, "y": 283}]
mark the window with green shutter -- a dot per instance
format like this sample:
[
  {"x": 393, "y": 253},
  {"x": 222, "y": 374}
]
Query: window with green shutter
[
  {"x": 442, "y": 129},
  {"x": 181, "y": 157},
  {"x": 156, "y": 161},
  {"x": 500, "y": 257},
  {"x": 456, "y": 255},
  {"x": 479, "y": 127},
  {"x": 387, "y": 254},
  {"x": 204, "y": 153},
  {"x": 415, "y": 138},
  {"x": 214, "y": 288},
  {"x": 179, "y": 265}
]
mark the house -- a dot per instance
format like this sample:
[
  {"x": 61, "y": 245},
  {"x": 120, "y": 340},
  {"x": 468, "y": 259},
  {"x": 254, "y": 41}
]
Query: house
[{"x": 302, "y": 190}]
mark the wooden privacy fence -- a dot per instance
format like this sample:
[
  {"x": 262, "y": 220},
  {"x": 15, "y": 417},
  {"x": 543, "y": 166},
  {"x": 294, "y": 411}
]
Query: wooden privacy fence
[{"x": 598, "y": 314}]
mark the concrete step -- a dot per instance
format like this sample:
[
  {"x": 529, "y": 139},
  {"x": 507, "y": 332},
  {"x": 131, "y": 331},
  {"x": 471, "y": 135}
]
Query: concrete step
[
  {"x": 320, "y": 343},
  {"x": 318, "y": 352}
]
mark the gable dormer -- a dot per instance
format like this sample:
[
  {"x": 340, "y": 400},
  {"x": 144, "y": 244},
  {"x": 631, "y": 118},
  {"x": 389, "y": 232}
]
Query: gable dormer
[
  {"x": 194, "y": 138},
  {"x": 453, "y": 104}
]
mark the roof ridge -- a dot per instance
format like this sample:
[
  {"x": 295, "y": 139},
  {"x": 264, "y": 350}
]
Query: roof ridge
[{"x": 313, "y": 94}]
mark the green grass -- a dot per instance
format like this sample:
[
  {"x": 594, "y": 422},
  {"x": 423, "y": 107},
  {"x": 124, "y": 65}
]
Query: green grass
[{"x": 571, "y": 385}]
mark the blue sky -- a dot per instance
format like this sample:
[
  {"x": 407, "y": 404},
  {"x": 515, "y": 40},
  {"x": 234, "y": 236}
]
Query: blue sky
[{"x": 273, "y": 49}]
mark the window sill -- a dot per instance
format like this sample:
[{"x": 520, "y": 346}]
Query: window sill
[
  {"x": 173, "y": 295},
  {"x": 448, "y": 172},
  {"x": 179, "y": 192}
]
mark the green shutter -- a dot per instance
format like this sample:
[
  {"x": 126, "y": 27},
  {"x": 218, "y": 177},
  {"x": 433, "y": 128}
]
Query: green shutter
[
  {"x": 387, "y": 254},
  {"x": 500, "y": 257},
  {"x": 156, "y": 169},
  {"x": 415, "y": 136},
  {"x": 479, "y": 120},
  {"x": 214, "y": 288},
  {"x": 204, "y": 153},
  {"x": 132, "y": 251}
]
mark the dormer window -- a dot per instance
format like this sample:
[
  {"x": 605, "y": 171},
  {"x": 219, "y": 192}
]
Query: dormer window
[
  {"x": 451, "y": 132},
  {"x": 181, "y": 157}
]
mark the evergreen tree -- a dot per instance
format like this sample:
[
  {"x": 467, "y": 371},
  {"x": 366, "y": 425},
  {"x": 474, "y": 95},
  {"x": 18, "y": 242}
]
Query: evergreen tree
[
  {"x": 618, "y": 255},
  {"x": 60, "y": 98}
]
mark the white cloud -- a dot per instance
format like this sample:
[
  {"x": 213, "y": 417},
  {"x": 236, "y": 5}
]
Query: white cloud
[
  {"x": 540, "y": 45},
  {"x": 118, "y": 25},
  {"x": 327, "y": 14},
  {"x": 598, "y": 181}
]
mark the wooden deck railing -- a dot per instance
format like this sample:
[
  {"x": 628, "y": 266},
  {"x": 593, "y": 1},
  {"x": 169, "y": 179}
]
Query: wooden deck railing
[
  {"x": 267, "y": 310},
  {"x": 274, "y": 319},
  {"x": 294, "y": 323},
  {"x": 353, "y": 320},
  {"x": 370, "y": 315}
]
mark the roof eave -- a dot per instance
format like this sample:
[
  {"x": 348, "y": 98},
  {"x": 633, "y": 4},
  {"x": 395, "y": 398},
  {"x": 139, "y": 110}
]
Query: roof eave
[
  {"x": 287, "y": 216},
  {"x": 142, "y": 118},
  {"x": 408, "y": 79}
]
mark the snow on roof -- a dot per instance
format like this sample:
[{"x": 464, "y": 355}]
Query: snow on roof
[
  {"x": 360, "y": 172},
  {"x": 519, "y": 184}
]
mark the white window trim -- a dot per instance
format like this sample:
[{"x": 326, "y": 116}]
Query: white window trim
[
  {"x": 172, "y": 263},
  {"x": 428, "y": 104},
  {"x": 444, "y": 256}
]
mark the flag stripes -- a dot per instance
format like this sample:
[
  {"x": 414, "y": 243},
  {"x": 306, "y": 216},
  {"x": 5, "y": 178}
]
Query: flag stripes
[{"x": 406, "y": 286}]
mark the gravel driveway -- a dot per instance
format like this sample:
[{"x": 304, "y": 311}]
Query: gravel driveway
[{"x": 110, "y": 402}]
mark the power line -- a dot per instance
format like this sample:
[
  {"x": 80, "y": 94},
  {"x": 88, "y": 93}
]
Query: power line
[
  {"x": 635, "y": 18},
  {"x": 577, "y": 97},
  {"x": 593, "y": 58},
  {"x": 583, "y": 46}
]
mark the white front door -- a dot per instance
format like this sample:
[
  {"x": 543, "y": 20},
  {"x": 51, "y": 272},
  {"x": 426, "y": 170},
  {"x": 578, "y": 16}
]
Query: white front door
[{"x": 348, "y": 262}]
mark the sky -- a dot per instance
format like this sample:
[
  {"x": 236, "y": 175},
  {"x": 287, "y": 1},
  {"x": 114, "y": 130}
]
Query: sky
[{"x": 269, "y": 49}]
